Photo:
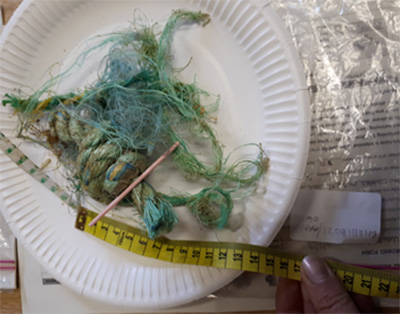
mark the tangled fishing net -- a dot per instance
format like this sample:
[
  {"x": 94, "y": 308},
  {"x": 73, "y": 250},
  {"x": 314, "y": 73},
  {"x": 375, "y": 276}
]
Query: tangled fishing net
[{"x": 106, "y": 133}]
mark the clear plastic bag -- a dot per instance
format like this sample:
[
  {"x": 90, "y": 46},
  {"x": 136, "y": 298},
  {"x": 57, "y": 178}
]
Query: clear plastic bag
[{"x": 350, "y": 51}]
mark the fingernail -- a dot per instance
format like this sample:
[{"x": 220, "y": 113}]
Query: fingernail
[{"x": 315, "y": 269}]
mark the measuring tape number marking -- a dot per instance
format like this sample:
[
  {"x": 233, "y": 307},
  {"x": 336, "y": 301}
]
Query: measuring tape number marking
[{"x": 226, "y": 255}]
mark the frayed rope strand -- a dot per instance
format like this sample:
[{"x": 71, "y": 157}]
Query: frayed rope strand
[{"x": 106, "y": 133}]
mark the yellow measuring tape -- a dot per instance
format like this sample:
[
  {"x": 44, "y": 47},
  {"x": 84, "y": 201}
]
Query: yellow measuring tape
[{"x": 227, "y": 255}]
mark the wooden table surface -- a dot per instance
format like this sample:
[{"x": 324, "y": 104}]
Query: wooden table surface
[{"x": 10, "y": 301}]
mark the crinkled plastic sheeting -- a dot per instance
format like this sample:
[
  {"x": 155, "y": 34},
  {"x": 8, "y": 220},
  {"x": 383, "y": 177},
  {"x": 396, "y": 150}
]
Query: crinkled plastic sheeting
[{"x": 351, "y": 55}]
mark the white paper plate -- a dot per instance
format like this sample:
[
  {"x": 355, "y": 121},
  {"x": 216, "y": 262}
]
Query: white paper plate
[{"x": 244, "y": 55}]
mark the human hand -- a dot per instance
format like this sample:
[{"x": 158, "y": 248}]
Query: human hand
[{"x": 319, "y": 291}]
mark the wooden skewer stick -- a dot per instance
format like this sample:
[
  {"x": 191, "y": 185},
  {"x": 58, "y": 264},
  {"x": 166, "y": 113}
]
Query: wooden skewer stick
[{"x": 133, "y": 184}]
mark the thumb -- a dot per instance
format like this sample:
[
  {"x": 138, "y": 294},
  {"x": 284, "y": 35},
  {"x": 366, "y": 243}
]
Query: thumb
[{"x": 326, "y": 292}]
